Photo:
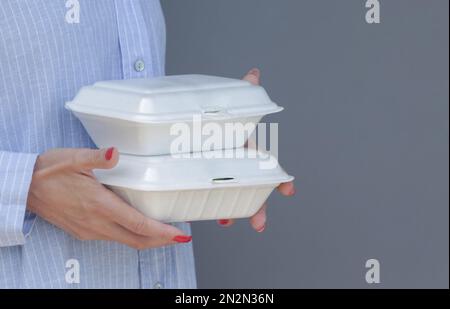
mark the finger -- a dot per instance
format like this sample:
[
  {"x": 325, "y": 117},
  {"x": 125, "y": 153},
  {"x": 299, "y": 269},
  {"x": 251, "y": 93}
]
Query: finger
[
  {"x": 251, "y": 142},
  {"x": 88, "y": 159},
  {"x": 287, "y": 188},
  {"x": 115, "y": 232},
  {"x": 107, "y": 230},
  {"x": 258, "y": 221},
  {"x": 225, "y": 222},
  {"x": 134, "y": 221},
  {"x": 253, "y": 76},
  {"x": 78, "y": 160}
]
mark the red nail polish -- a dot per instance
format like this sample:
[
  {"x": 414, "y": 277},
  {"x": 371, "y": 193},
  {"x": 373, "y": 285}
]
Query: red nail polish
[
  {"x": 182, "y": 238},
  {"x": 224, "y": 222},
  {"x": 109, "y": 153},
  {"x": 261, "y": 229}
]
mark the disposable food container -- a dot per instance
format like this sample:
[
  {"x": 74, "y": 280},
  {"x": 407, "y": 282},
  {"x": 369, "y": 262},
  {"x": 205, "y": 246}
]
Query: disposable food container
[
  {"x": 137, "y": 115},
  {"x": 217, "y": 185}
]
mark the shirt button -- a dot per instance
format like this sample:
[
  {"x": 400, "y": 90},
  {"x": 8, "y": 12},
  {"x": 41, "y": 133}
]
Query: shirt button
[
  {"x": 158, "y": 285},
  {"x": 139, "y": 65}
]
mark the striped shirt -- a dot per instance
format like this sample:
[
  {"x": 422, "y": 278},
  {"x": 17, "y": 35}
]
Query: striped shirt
[{"x": 48, "y": 50}]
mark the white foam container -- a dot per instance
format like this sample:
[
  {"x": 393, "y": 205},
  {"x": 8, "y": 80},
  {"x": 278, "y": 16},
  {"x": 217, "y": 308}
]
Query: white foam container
[
  {"x": 136, "y": 115},
  {"x": 214, "y": 186}
]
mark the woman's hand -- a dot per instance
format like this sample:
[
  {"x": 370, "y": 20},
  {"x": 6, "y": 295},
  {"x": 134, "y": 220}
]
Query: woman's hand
[
  {"x": 65, "y": 192},
  {"x": 258, "y": 221}
]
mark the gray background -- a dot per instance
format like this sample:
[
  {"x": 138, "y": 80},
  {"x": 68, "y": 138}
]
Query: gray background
[{"x": 365, "y": 131}]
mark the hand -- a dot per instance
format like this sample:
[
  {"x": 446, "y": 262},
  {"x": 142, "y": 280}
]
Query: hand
[
  {"x": 258, "y": 221},
  {"x": 65, "y": 192}
]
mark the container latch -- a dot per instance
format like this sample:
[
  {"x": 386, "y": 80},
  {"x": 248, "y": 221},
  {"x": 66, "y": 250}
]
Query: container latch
[{"x": 224, "y": 180}]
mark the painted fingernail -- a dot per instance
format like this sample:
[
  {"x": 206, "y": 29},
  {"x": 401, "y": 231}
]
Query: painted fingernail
[
  {"x": 224, "y": 222},
  {"x": 182, "y": 238},
  {"x": 261, "y": 229},
  {"x": 109, "y": 153}
]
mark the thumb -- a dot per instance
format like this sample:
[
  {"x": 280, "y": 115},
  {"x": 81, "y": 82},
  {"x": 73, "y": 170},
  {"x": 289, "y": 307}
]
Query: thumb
[
  {"x": 88, "y": 159},
  {"x": 253, "y": 76}
]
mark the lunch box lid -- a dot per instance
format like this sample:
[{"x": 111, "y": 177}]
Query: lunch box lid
[
  {"x": 202, "y": 170},
  {"x": 173, "y": 98}
]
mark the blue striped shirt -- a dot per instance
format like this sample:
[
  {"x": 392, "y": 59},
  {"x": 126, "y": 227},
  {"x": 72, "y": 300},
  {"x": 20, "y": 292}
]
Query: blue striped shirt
[{"x": 46, "y": 55}]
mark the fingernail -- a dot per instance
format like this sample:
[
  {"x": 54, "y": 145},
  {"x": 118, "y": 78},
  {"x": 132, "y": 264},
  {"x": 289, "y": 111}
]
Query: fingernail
[
  {"x": 109, "y": 153},
  {"x": 182, "y": 238},
  {"x": 261, "y": 229},
  {"x": 224, "y": 222}
]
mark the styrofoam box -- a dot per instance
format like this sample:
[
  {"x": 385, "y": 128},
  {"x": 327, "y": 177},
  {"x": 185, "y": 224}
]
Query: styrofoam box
[
  {"x": 218, "y": 185},
  {"x": 136, "y": 115}
]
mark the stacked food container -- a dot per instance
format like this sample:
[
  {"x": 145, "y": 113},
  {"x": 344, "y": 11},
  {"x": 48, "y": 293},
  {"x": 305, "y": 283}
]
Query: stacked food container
[{"x": 172, "y": 174}]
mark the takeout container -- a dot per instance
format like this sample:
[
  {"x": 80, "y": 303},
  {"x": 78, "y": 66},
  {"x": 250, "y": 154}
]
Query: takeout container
[
  {"x": 136, "y": 115},
  {"x": 215, "y": 185},
  {"x": 209, "y": 181}
]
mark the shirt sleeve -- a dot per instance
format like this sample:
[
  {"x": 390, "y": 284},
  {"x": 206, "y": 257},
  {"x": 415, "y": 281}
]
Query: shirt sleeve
[{"x": 16, "y": 170}]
